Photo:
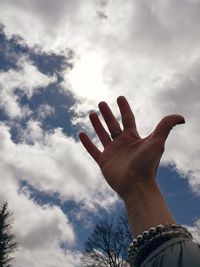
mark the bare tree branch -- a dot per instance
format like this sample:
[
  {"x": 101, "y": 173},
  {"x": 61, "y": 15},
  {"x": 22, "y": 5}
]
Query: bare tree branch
[{"x": 107, "y": 245}]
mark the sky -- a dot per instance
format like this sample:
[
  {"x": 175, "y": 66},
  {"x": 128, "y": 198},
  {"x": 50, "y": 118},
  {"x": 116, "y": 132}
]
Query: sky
[{"x": 58, "y": 60}]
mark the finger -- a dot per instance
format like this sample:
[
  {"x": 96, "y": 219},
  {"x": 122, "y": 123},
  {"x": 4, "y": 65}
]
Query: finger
[
  {"x": 109, "y": 118},
  {"x": 164, "y": 127},
  {"x": 128, "y": 118},
  {"x": 99, "y": 129},
  {"x": 89, "y": 146}
]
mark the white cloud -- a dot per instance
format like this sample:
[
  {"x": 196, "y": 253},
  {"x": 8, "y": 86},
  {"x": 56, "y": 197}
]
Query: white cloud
[
  {"x": 39, "y": 241},
  {"x": 27, "y": 80},
  {"x": 44, "y": 111},
  {"x": 33, "y": 132},
  {"x": 54, "y": 26},
  {"x": 39, "y": 230},
  {"x": 180, "y": 94},
  {"x": 55, "y": 163},
  {"x": 195, "y": 231},
  {"x": 48, "y": 257}
]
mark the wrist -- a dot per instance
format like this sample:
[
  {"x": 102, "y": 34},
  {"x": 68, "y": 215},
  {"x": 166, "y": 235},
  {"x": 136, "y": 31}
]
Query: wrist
[
  {"x": 141, "y": 191},
  {"x": 146, "y": 207}
]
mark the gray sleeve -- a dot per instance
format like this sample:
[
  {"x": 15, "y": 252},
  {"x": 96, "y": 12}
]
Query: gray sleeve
[{"x": 177, "y": 252}]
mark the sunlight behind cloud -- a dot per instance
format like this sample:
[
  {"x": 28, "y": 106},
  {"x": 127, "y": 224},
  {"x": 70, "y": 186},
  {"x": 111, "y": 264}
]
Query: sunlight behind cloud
[{"x": 86, "y": 79}]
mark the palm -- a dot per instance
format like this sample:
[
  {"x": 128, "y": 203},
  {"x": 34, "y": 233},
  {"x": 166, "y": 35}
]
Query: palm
[{"x": 128, "y": 159}]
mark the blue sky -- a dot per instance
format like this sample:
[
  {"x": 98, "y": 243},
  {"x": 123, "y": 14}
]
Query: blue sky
[{"x": 57, "y": 61}]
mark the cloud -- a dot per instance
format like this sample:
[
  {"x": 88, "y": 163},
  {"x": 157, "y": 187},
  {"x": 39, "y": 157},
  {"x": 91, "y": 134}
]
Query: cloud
[
  {"x": 48, "y": 257},
  {"x": 180, "y": 94},
  {"x": 195, "y": 231},
  {"x": 47, "y": 165},
  {"x": 44, "y": 111},
  {"x": 39, "y": 230},
  {"x": 54, "y": 163},
  {"x": 27, "y": 80},
  {"x": 53, "y": 26}
]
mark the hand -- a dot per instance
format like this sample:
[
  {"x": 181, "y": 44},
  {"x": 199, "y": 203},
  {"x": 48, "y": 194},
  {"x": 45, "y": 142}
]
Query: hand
[{"x": 128, "y": 160}]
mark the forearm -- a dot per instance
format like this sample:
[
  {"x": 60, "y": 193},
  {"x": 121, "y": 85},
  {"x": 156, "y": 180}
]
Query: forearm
[{"x": 146, "y": 207}]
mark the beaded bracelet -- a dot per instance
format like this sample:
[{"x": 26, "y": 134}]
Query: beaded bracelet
[{"x": 144, "y": 244}]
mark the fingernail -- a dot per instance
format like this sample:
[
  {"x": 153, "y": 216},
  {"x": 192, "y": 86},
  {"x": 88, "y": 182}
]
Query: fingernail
[{"x": 181, "y": 122}]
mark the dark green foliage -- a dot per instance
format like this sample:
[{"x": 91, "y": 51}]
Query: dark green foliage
[
  {"x": 108, "y": 244},
  {"x": 7, "y": 239}
]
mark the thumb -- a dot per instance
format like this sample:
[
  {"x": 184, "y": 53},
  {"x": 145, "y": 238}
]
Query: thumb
[{"x": 164, "y": 127}]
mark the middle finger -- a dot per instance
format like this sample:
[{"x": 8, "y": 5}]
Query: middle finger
[{"x": 109, "y": 118}]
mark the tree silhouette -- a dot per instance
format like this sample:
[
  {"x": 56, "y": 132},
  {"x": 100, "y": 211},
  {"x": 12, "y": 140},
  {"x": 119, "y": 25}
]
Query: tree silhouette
[
  {"x": 7, "y": 238},
  {"x": 108, "y": 244}
]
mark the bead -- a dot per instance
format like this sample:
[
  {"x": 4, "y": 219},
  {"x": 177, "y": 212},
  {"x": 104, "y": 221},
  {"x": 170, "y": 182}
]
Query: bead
[
  {"x": 160, "y": 227},
  {"x": 174, "y": 226},
  {"x": 152, "y": 230},
  {"x": 145, "y": 234},
  {"x": 139, "y": 239},
  {"x": 134, "y": 242}
]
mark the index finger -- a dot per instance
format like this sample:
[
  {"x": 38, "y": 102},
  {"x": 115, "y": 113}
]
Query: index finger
[
  {"x": 128, "y": 118},
  {"x": 89, "y": 146}
]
